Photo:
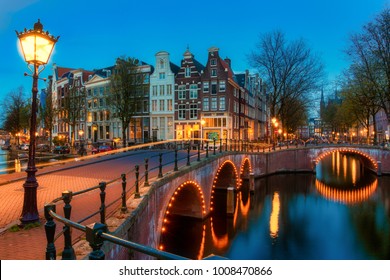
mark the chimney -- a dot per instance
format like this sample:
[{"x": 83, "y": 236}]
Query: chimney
[{"x": 229, "y": 62}]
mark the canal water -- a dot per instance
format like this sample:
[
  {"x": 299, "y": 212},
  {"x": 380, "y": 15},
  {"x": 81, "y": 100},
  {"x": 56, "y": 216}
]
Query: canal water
[{"x": 341, "y": 212}]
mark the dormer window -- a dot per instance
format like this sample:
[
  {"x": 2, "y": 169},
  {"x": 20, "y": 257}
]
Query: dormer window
[{"x": 188, "y": 72}]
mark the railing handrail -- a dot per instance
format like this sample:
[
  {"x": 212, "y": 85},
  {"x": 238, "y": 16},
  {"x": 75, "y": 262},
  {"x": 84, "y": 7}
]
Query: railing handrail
[{"x": 102, "y": 234}]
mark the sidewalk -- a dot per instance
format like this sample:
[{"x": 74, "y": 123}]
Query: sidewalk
[{"x": 30, "y": 244}]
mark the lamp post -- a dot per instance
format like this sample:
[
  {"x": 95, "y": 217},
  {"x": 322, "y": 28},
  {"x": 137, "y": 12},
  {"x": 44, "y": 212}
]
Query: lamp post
[{"x": 37, "y": 47}]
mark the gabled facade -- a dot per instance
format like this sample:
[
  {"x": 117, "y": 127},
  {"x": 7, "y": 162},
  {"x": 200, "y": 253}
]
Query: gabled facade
[
  {"x": 188, "y": 105},
  {"x": 100, "y": 126},
  {"x": 68, "y": 82},
  {"x": 221, "y": 96},
  {"x": 162, "y": 97}
]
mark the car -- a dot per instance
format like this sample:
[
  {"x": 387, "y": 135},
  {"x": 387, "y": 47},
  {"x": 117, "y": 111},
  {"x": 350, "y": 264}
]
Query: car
[
  {"x": 24, "y": 147},
  {"x": 43, "y": 148},
  {"x": 6, "y": 147},
  {"x": 101, "y": 149},
  {"x": 61, "y": 150}
]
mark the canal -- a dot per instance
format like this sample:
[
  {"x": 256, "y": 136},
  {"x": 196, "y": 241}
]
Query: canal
[{"x": 341, "y": 212}]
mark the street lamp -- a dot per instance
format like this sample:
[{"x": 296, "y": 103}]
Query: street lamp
[{"x": 37, "y": 47}]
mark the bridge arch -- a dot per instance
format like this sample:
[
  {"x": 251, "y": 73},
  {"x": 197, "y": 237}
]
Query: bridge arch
[
  {"x": 246, "y": 168},
  {"x": 368, "y": 161},
  {"x": 225, "y": 177}
]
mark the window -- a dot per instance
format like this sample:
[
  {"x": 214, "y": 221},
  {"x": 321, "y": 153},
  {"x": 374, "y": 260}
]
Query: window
[
  {"x": 95, "y": 103},
  {"x": 193, "y": 91},
  {"x": 213, "y": 62},
  {"x": 188, "y": 72},
  {"x": 182, "y": 92},
  {"x": 101, "y": 102},
  {"x": 154, "y": 90},
  {"x": 213, "y": 72},
  {"x": 101, "y": 90},
  {"x": 169, "y": 89},
  {"x": 162, "y": 90},
  {"x": 107, "y": 132},
  {"x": 222, "y": 106},
  {"x": 154, "y": 105},
  {"x": 146, "y": 79},
  {"x": 205, "y": 86},
  {"x": 162, "y": 75},
  {"x": 170, "y": 108},
  {"x": 214, "y": 87},
  {"x": 222, "y": 85},
  {"x": 214, "y": 104},
  {"x": 89, "y": 104},
  {"x": 182, "y": 111},
  {"x": 193, "y": 111},
  {"x": 162, "y": 105},
  {"x": 162, "y": 64},
  {"x": 206, "y": 104},
  {"x": 146, "y": 106}
]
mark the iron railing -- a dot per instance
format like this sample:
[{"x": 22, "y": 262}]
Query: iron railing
[{"x": 96, "y": 232}]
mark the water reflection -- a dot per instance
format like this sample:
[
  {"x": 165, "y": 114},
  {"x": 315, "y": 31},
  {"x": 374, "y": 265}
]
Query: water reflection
[{"x": 296, "y": 216}]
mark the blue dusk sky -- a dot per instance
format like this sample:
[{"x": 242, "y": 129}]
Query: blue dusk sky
[{"x": 94, "y": 33}]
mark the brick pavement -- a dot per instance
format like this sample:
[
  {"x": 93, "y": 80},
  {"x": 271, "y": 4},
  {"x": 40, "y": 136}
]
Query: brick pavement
[{"x": 30, "y": 244}]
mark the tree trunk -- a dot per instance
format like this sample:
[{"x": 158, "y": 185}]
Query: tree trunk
[{"x": 124, "y": 127}]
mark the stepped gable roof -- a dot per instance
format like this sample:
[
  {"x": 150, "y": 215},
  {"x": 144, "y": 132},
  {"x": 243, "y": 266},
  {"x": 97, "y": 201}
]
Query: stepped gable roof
[
  {"x": 188, "y": 55},
  {"x": 227, "y": 66},
  {"x": 175, "y": 69},
  {"x": 199, "y": 66},
  {"x": 103, "y": 71}
]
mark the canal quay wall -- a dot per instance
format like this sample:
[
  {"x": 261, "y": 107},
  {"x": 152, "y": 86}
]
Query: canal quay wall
[{"x": 145, "y": 221}]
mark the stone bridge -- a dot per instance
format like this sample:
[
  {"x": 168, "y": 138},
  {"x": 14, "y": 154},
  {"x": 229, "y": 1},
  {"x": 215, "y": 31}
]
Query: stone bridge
[{"x": 189, "y": 191}]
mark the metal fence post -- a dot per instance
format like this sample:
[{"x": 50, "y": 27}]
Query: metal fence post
[
  {"x": 226, "y": 144},
  {"x": 160, "y": 175},
  {"x": 146, "y": 182},
  {"x": 137, "y": 194},
  {"x": 124, "y": 183},
  {"x": 214, "y": 146},
  {"x": 92, "y": 234},
  {"x": 50, "y": 229},
  {"x": 102, "y": 186},
  {"x": 207, "y": 149},
  {"x": 220, "y": 145},
  {"x": 188, "y": 155},
  {"x": 68, "y": 252},
  {"x": 198, "y": 151},
  {"x": 175, "y": 168}
]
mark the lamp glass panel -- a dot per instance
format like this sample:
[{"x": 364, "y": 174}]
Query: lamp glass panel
[{"x": 36, "y": 48}]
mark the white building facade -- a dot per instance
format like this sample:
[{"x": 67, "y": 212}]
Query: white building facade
[{"x": 162, "y": 86}]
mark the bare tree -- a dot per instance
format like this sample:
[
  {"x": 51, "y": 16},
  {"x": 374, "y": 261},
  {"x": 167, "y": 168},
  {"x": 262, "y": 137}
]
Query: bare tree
[
  {"x": 290, "y": 70},
  {"x": 370, "y": 51},
  {"x": 74, "y": 107},
  {"x": 48, "y": 112},
  {"x": 124, "y": 100},
  {"x": 16, "y": 111}
]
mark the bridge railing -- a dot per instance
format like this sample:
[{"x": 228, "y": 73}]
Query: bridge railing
[{"x": 157, "y": 163}]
